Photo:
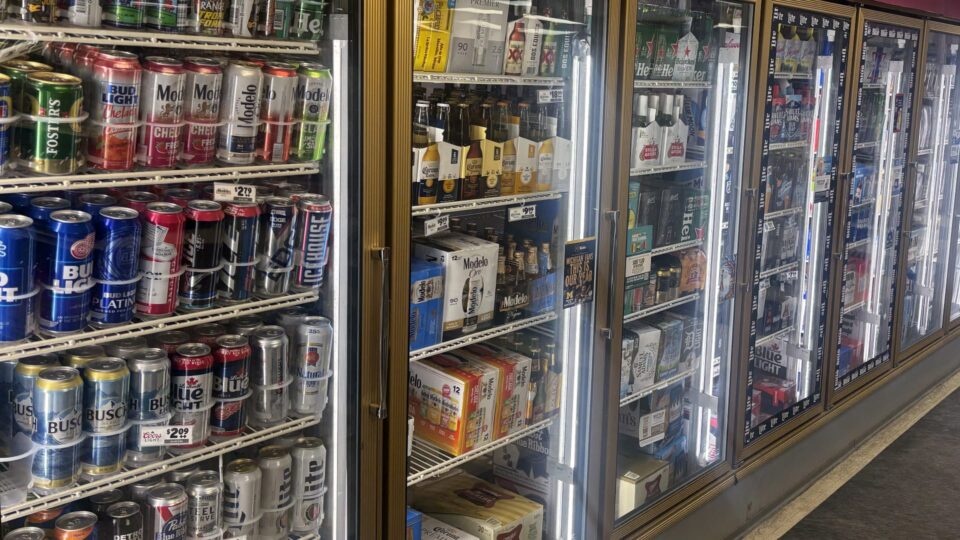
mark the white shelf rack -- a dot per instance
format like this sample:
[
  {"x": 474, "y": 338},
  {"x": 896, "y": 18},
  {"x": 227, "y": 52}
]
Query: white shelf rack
[
  {"x": 95, "y": 179},
  {"x": 781, "y": 213},
  {"x": 778, "y": 334},
  {"x": 858, "y": 243},
  {"x": 865, "y": 145},
  {"x": 428, "y": 461},
  {"x": 773, "y": 147},
  {"x": 646, "y": 312},
  {"x": 142, "y": 328},
  {"x": 113, "y": 37},
  {"x": 853, "y": 307},
  {"x": 483, "y": 204},
  {"x": 660, "y": 169},
  {"x": 478, "y": 337},
  {"x": 676, "y": 247},
  {"x": 36, "y": 503},
  {"x": 478, "y": 78},
  {"x": 657, "y": 386},
  {"x": 643, "y": 83},
  {"x": 865, "y": 202},
  {"x": 780, "y": 269},
  {"x": 791, "y": 75}
]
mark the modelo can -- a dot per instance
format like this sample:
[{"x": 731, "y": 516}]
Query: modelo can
[
  {"x": 122, "y": 13},
  {"x": 17, "y": 235},
  {"x": 160, "y": 253},
  {"x": 242, "y": 18},
  {"x": 201, "y": 110},
  {"x": 309, "y": 457},
  {"x": 112, "y": 136},
  {"x": 206, "y": 16},
  {"x": 65, "y": 271},
  {"x": 311, "y": 366},
  {"x": 312, "y": 111},
  {"x": 276, "y": 112},
  {"x": 57, "y": 421},
  {"x": 6, "y": 129},
  {"x": 239, "y": 113},
  {"x": 165, "y": 513},
  {"x": 138, "y": 200},
  {"x": 50, "y": 135},
  {"x": 92, "y": 203},
  {"x": 204, "y": 503},
  {"x": 24, "y": 379},
  {"x": 278, "y": 221},
  {"x": 310, "y": 252},
  {"x": 122, "y": 521},
  {"x": 203, "y": 241},
  {"x": 115, "y": 268},
  {"x": 167, "y": 15},
  {"x": 241, "y": 496},
  {"x": 169, "y": 340},
  {"x": 76, "y": 526},
  {"x": 276, "y": 470},
  {"x": 161, "y": 112}
]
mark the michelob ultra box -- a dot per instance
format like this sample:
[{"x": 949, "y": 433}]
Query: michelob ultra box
[
  {"x": 513, "y": 393},
  {"x": 432, "y": 35},
  {"x": 470, "y": 279},
  {"x": 426, "y": 303},
  {"x": 478, "y": 36},
  {"x": 434, "y": 529},
  {"x": 480, "y": 508}
]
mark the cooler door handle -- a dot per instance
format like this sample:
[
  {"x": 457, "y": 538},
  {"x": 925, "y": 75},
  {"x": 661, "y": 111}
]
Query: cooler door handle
[
  {"x": 613, "y": 216},
  {"x": 380, "y": 409}
]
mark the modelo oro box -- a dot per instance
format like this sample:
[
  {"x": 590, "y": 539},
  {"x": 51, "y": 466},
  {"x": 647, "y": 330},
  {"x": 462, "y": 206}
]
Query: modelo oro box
[
  {"x": 513, "y": 394},
  {"x": 452, "y": 401},
  {"x": 426, "y": 303},
  {"x": 480, "y": 508},
  {"x": 470, "y": 280},
  {"x": 478, "y": 36}
]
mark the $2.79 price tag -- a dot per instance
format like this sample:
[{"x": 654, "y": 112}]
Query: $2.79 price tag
[
  {"x": 164, "y": 435},
  {"x": 226, "y": 192}
]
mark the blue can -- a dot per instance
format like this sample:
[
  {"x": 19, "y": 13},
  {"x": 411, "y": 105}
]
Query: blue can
[
  {"x": 227, "y": 418},
  {"x": 102, "y": 454},
  {"x": 240, "y": 232},
  {"x": 24, "y": 379},
  {"x": 6, "y": 111},
  {"x": 57, "y": 406},
  {"x": 19, "y": 201},
  {"x": 106, "y": 387},
  {"x": 92, "y": 203},
  {"x": 18, "y": 236},
  {"x": 236, "y": 282},
  {"x": 41, "y": 208},
  {"x": 116, "y": 260},
  {"x": 56, "y": 468},
  {"x": 65, "y": 271},
  {"x": 6, "y": 405},
  {"x": 6, "y": 208}
]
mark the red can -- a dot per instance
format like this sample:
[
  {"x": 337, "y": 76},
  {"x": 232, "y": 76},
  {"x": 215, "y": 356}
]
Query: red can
[
  {"x": 160, "y": 251},
  {"x": 84, "y": 57},
  {"x": 161, "y": 112},
  {"x": 201, "y": 109},
  {"x": 169, "y": 340},
  {"x": 179, "y": 196},
  {"x": 60, "y": 54},
  {"x": 138, "y": 200},
  {"x": 115, "y": 111},
  {"x": 276, "y": 112}
]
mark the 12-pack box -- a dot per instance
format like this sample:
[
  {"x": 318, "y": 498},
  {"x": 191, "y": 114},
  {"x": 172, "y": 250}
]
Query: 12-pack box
[
  {"x": 478, "y": 36},
  {"x": 513, "y": 394},
  {"x": 671, "y": 344},
  {"x": 640, "y": 479},
  {"x": 426, "y": 303},
  {"x": 434, "y": 529},
  {"x": 640, "y": 352}
]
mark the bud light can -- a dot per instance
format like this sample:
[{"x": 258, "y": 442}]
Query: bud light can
[
  {"x": 240, "y": 113},
  {"x": 42, "y": 207},
  {"x": 161, "y": 112},
  {"x": 57, "y": 427},
  {"x": 204, "y": 77},
  {"x": 112, "y": 137},
  {"x": 310, "y": 252},
  {"x": 65, "y": 271},
  {"x": 278, "y": 221},
  {"x": 92, "y": 203},
  {"x": 165, "y": 513},
  {"x": 116, "y": 260},
  {"x": 17, "y": 256},
  {"x": 203, "y": 242},
  {"x": 160, "y": 252},
  {"x": 25, "y": 376}
]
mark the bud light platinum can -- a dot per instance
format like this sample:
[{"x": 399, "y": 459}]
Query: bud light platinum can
[
  {"x": 241, "y": 496},
  {"x": 116, "y": 260},
  {"x": 278, "y": 221},
  {"x": 310, "y": 252},
  {"x": 65, "y": 270},
  {"x": 240, "y": 112},
  {"x": 18, "y": 236},
  {"x": 165, "y": 513}
]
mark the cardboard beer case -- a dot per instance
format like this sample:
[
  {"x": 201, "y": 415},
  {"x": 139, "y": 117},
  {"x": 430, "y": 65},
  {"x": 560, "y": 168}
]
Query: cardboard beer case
[
  {"x": 432, "y": 35},
  {"x": 426, "y": 303},
  {"x": 640, "y": 479},
  {"x": 477, "y": 40}
]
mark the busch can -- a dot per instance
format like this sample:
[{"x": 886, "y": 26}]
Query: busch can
[
  {"x": 312, "y": 112},
  {"x": 6, "y": 111},
  {"x": 241, "y": 495},
  {"x": 165, "y": 513},
  {"x": 179, "y": 196},
  {"x": 309, "y": 476},
  {"x": 102, "y": 455},
  {"x": 204, "y": 77},
  {"x": 126, "y": 348},
  {"x": 275, "y": 490},
  {"x": 201, "y": 254},
  {"x": 242, "y": 18},
  {"x": 149, "y": 384},
  {"x": 206, "y": 16},
  {"x": 313, "y": 231},
  {"x": 167, "y": 15},
  {"x": 160, "y": 259},
  {"x": 78, "y": 357},
  {"x": 92, "y": 203},
  {"x": 231, "y": 363},
  {"x": 112, "y": 137},
  {"x": 24, "y": 379},
  {"x": 57, "y": 427},
  {"x": 18, "y": 236},
  {"x": 161, "y": 112},
  {"x": 276, "y": 112},
  {"x": 245, "y": 325},
  {"x": 105, "y": 395},
  {"x": 278, "y": 222},
  {"x": 76, "y": 526},
  {"x": 122, "y": 521},
  {"x": 42, "y": 207},
  {"x": 169, "y": 340},
  {"x": 308, "y": 18},
  {"x": 192, "y": 377},
  {"x": 239, "y": 112},
  {"x": 122, "y": 13},
  {"x": 99, "y": 502},
  {"x": 208, "y": 333},
  {"x": 49, "y": 142},
  {"x": 311, "y": 365},
  {"x": 138, "y": 200},
  {"x": 204, "y": 503},
  {"x": 65, "y": 271},
  {"x": 116, "y": 260}
]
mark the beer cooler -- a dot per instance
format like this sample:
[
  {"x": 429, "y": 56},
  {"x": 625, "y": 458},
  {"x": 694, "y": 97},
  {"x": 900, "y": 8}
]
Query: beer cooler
[
  {"x": 178, "y": 247},
  {"x": 689, "y": 78}
]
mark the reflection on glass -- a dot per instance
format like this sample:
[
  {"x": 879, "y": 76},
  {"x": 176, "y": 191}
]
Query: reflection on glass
[
  {"x": 802, "y": 125},
  {"x": 875, "y": 201},
  {"x": 685, "y": 169}
]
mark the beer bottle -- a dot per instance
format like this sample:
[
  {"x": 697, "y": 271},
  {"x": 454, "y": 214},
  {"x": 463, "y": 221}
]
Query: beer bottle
[
  {"x": 473, "y": 169},
  {"x": 536, "y": 376},
  {"x": 461, "y": 131},
  {"x": 554, "y": 385},
  {"x": 544, "y": 152},
  {"x": 429, "y": 175},
  {"x": 526, "y": 121},
  {"x": 421, "y": 121},
  {"x": 486, "y": 117},
  {"x": 508, "y": 183},
  {"x": 532, "y": 266},
  {"x": 563, "y": 130},
  {"x": 503, "y": 291},
  {"x": 442, "y": 119},
  {"x": 513, "y": 63},
  {"x": 545, "y": 260},
  {"x": 548, "y": 50}
]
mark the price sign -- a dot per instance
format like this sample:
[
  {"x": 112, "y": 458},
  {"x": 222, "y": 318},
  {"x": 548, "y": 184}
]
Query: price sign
[
  {"x": 638, "y": 264},
  {"x": 769, "y": 226},
  {"x": 224, "y": 192},
  {"x": 520, "y": 213},
  {"x": 550, "y": 95},
  {"x": 164, "y": 435},
  {"x": 435, "y": 225}
]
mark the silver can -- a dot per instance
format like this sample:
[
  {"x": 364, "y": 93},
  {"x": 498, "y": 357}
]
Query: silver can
[
  {"x": 199, "y": 435},
  {"x": 208, "y": 333},
  {"x": 309, "y": 457},
  {"x": 201, "y": 109},
  {"x": 149, "y": 403},
  {"x": 204, "y": 503},
  {"x": 290, "y": 318},
  {"x": 269, "y": 351},
  {"x": 161, "y": 111},
  {"x": 165, "y": 513},
  {"x": 169, "y": 340},
  {"x": 241, "y": 495},
  {"x": 311, "y": 366},
  {"x": 278, "y": 218},
  {"x": 137, "y": 491},
  {"x": 180, "y": 476},
  {"x": 268, "y": 406},
  {"x": 276, "y": 469},
  {"x": 25, "y": 533},
  {"x": 125, "y": 348},
  {"x": 79, "y": 356},
  {"x": 240, "y": 113},
  {"x": 246, "y": 325},
  {"x": 242, "y": 18}
]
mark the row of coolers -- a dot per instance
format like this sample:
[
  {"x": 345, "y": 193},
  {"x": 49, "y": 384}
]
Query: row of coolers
[
  {"x": 528, "y": 39},
  {"x": 93, "y": 411},
  {"x": 272, "y": 491},
  {"x": 667, "y": 129}
]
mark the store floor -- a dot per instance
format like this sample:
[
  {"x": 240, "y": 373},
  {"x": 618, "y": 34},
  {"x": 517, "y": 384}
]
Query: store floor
[{"x": 907, "y": 491}]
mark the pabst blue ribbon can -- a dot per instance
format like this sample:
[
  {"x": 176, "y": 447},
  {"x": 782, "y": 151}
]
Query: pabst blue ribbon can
[
  {"x": 240, "y": 113},
  {"x": 161, "y": 112},
  {"x": 165, "y": 513},
  {"x": 115, "y": 266},
  {"x": 276, "y": 112},
  {"x": 160, "y": 264},
  {"x": 112, "y": 135},
  {"x": 201, "y": 106}
]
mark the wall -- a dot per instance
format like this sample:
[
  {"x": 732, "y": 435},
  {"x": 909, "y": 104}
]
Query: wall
[{"x": 947, "y": 8}]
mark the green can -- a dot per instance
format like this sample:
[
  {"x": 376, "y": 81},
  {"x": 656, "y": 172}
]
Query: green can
[
  {"x": 18, "y": 69},
  {"x": 308, "y": 19},
  {"x": 312, "y": 113},
  {"x": 51, "y": 147},
  {"x": 283, "y": 19}
]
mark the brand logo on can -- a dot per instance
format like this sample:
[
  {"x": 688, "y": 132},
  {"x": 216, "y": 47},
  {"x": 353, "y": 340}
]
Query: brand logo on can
[{"x": 81, "y": 249}]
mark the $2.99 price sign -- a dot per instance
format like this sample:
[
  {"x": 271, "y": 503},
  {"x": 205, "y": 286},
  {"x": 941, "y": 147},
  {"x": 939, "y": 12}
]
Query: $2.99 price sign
[{"x": 164, "y": 435}]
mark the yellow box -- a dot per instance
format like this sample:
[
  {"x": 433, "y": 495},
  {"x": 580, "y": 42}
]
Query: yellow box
[{"x": 434, "y": 19}]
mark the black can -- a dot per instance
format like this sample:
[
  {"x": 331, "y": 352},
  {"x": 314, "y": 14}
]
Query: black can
[
  {"x": 202, "y": 236},
  {"x": 99, "y": 503},
  {"x": 123, "y": 522}
]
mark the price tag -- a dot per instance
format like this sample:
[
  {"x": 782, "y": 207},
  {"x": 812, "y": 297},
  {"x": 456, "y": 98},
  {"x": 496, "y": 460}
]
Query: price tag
[
  {"x": 224, "y": 192},
  {"x": 821, "y": 183},
  {"x": 435, "y": 225},
  {"x": 793, "y": 274},
  {"x": 769, "y": 226},
  {"x": 638, "y": 264},
  {"x": 551, "y": 95},
  {"x": 164, "y": 435},
  {"x": 520, "y": 213}
]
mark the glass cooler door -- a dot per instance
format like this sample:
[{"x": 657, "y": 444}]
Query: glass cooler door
[
  {"x": 874, "y": 215},
  {"x": 798, "y": 177},
  {"x": 690, "y": 81}
]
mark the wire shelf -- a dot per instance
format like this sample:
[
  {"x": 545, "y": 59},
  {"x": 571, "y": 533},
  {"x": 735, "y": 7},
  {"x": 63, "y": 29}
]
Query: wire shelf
[
  {"x": 479, "y": 78},
  {"x": 676, "y": 247},
  {"x": 482, "y": 204},
  {"x": 636, "y": 396},
  {"x": 776, "y": 335},
  {"x": 478, "y": 337},
  {"x": 642, "y": 83},
  {"x": 660, "y": 169},
  {"x": 779, "y": 270},
  {"x": 781, "y": 213},
  {"x": 661, "y": 307}
]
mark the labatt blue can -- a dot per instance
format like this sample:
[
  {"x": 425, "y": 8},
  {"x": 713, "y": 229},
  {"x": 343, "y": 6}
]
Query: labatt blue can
[
  {"x": 18, "y": 237},
  {"x": 106, "y": 383},
  {"x": 57, "y": 421},
  {"x": 24, "y": 379},
  {"x": 310, "y": 244},
  {"x": 6, "y": 111},
  {"x": 116, "y": 260},
  {"x": 65, "y": 272},
  {"x": 92, "y": 203}
]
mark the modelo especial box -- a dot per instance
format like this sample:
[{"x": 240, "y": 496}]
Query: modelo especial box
[{"x": 426, "y": 303}]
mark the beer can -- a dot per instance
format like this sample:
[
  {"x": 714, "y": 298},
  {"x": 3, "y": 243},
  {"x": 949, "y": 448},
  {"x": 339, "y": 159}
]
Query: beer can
[
  {"x": 137, "y": 453},
  {"x": 76, "y": 526},
  {"x": 83, "y": 13},
  {"x": 167, "y": 15},
  {"x": 282, "y": 20},
  {"x": 241, "y": 493},
  {"x": 240, "y": 232},
  {"x": 208, "y": 333},
  {"x": 227, "y": 418},
  {"x": 180, "y": 476},
  {"x": 267, "y": 406},
  {"x": 138, "y": 489},
  {"x": 312, "y": 111},
  {"x": 149, "y": 384},
  {"x": 201, "y": 254},
  {"x": 199, "y": 421},
  {"x": 115, "y": 266},
  {"x": 179, "y": 196},
  {"x": 138, "y": 200},
  {"x": 92, "y": 203},
  {"x": 276, "y": 112},
  {"x": 161, "y": 112},
  {"x": 160, "y": 259},
  {"x": 99, "y": 502},
  {"x": 17, "y": 234},
  {"x": 278, "y": 221},
  {"x": 245, "y": 325},
  {"x": 165, "y": 515},
  {"x": 290, "y": 319},
  {"x": 169, "y": 340},
  {"x": 56, "y": 467},
  {"x": 268, "y": 360},
  {"x": 230, "y": 367},
  {"x": 206, "y": 16},
  {"x": 65, "y": 272},
  {"x": 311, "y": 366},
  {"x": 78, "y": 357},
  {"x": 275, "y": 491},
  {"x": 122, "y": 13},
  {"x": 313, "y": 232},
  {"x": 38, "y": 11},
  {"x": 291, "y": 190},
  {"x": 236, "y": 282},
  {"x": 112, "y": 134},
  {"x": 25, "y": 533},
  {"x": 102, "y": 455},
  {"x": 123, "y": 521},
  {"x": 126, "y": 348},
  {"x": 41, "y": 208},
  {"x": 242, "y": 18},
  {"x": 19, "y": 203},
  {"x": 204, "y": 503},
  {"x": 309, "y": 477},
  {"x": 203, "y": 79},
  {"x": 198, "y": 288},
  {"x": 18, "y": 69},
  {"x": 192, "y": 377},
  {"x": 239, "y": 112},
  {"x": 266, "y": 14},
  {"x": 6, "y": 130},
  {"x": 46, "y": 519},
  {"x": 57, "y": 406},
  {"x": 49, "y": 138},
  {"x": 105, "y": 395},
  {"x": 308, "y": 19},
  {"x": 24, "y": 379}
]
